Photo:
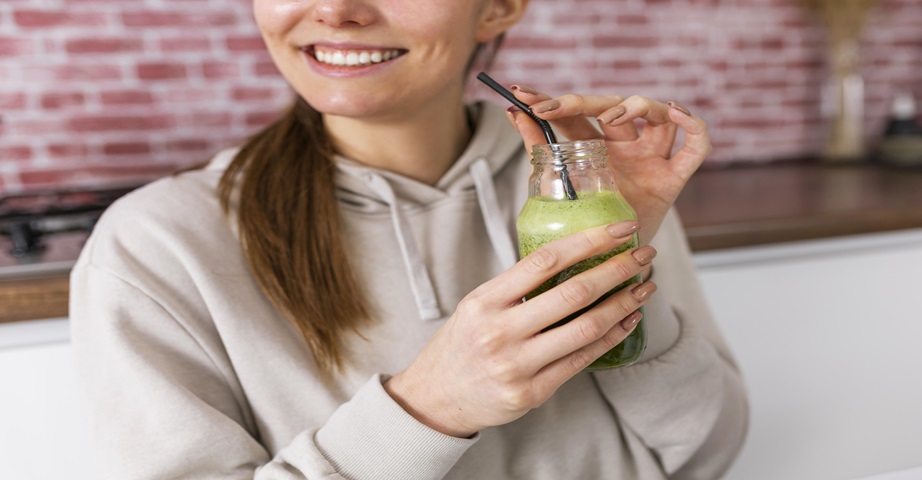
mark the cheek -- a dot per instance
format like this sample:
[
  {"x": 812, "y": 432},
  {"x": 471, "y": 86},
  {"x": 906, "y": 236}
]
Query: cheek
[{"x": 276, "y": 17}]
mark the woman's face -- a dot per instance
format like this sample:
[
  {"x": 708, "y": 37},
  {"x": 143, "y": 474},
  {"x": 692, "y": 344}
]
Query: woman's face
[{"x": 378, "y": 58}]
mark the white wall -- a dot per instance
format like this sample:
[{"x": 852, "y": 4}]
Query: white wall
[{"x": 829, "y": 336}]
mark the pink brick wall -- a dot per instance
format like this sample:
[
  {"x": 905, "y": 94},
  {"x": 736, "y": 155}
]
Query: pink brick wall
[{"x": 104, "y": 90}]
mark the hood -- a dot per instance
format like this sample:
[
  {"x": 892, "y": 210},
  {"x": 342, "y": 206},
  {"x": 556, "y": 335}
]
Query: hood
[{"x": 494, "y": 142}]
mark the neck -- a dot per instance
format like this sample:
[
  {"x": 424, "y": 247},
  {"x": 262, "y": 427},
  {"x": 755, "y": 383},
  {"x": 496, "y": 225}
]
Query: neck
[{"x": 421, "y": 146}]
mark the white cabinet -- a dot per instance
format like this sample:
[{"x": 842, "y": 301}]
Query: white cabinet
[
  {"x": 828, "y": 333},
  {"x": 829, "y": 337},
  {"x": 38, "y": 411}
]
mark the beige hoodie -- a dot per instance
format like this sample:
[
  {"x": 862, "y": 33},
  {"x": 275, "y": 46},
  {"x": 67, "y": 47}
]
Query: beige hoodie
[{"x": 187, "y": 371}]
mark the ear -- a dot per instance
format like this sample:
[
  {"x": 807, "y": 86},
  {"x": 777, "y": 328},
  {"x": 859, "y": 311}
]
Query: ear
[{"x": 499, "y": 16}]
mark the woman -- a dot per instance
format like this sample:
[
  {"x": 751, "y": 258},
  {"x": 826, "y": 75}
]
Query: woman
[{"x": 338, "y": 299}]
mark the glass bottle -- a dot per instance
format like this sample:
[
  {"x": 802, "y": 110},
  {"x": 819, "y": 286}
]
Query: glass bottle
[{"x": 551, "y": 212}]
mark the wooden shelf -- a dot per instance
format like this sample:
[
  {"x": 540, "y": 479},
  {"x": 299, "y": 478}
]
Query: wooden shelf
[{"x": 34, "y": 298}]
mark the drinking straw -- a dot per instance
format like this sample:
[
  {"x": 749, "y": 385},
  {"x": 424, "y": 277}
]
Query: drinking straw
[{"x": 545, "y": 127}]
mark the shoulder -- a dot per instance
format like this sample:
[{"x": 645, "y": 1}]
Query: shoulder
[{"x": 174, "y": 217}]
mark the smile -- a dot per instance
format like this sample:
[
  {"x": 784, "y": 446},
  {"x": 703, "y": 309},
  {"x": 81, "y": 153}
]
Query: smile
[{"x": 353, "y": 58}]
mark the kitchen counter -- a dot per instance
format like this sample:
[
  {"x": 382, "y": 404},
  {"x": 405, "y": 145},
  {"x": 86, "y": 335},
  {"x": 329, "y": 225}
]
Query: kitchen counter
[
  {"x": 756, "y": 205},
  {"x": 721, "y": 208}
]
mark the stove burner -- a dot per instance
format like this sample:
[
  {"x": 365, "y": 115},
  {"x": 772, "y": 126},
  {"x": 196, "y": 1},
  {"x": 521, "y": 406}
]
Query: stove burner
[
  {"x": 27, "y": 241},
  {"x": 27, "y": 217}
]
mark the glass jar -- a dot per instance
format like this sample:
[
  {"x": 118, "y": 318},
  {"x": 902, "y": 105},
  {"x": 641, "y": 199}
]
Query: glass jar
[{"x": 571, "y": 189}]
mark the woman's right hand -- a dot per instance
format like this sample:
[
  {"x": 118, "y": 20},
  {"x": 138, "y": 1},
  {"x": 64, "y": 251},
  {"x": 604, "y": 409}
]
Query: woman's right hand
[{"x": 491, "y": 362}]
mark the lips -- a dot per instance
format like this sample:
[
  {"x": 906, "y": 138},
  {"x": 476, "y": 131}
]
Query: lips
[{"x": 352, "y": 57}]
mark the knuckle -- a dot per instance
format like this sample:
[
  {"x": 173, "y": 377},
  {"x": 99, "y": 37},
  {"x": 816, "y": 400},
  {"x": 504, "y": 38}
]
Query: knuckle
[
  {"x": 579, "y": 359},
  {"x": 575, "y": 293},
  {"x": 472, "y": 306},
  {"x": 639, "y": 100},
  {"x": 487, "y": 342},
  {"x": 516, "y": 398},
  {"x": 543, "y": 259},
  {"x": 588, "y": 330},
  {"x": 621, "y": 270},
  {"x": 611, "y": 339},
  {"x": 503, "y": 371},
  {"x": 625, "y": 303},
  {"x": 571, "y": 99},
  {"x": 586, "y": 242}
]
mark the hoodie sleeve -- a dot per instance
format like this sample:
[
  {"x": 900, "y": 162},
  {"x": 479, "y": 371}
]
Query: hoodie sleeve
[
  {"x": 160, "y": 408},
  {"x": 685, "y": 401}
]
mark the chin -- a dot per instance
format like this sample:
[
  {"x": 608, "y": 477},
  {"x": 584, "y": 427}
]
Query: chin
[{"x": 345, "y": 105}]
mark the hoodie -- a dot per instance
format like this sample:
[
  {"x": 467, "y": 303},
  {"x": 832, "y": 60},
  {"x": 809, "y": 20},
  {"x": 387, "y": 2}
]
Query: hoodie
[{"x": 187, "y": 371}]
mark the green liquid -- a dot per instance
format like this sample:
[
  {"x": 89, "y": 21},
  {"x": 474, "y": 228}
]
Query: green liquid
[{"x": 545, "y": 219}]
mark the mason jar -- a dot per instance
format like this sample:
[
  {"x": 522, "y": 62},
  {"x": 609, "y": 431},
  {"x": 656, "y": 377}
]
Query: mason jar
[{"x": 570, "y": 189}]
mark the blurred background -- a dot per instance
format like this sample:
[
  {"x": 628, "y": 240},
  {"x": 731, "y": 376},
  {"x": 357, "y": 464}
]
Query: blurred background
[{"x": 805, "y": 222}]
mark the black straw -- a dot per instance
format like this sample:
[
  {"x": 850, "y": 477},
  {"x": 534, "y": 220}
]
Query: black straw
[{"x": 545, "y": 127}]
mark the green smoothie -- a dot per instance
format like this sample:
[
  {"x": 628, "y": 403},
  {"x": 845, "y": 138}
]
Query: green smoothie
[{"x": 545, "y": 219}]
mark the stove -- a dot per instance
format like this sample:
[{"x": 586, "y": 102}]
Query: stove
[{"x": 43, "y": 231}]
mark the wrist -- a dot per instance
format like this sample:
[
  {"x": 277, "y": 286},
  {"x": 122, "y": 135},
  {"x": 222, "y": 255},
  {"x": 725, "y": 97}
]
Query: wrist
[{"x": 421, "y": 405}]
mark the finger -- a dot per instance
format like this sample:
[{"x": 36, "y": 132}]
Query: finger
[
  {"x": 532, "y": 133},
  {"x": 529, "y": 273},
  {"x": 577, "y": 128},
  {"x": 589, "y": 327},
  {"x": 583, "y": 290},
  {"x": 529, "y": 95},
  {"x": 569, "y": 113},
  {"x": 621, "y": 132},
  {"x": 561, "y": 370},
  {"x": 654, "y": 113},
  {"x": 697, "y": 141}
]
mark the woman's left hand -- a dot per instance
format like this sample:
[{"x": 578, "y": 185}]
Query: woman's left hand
[{"x": 648, "y": 173}]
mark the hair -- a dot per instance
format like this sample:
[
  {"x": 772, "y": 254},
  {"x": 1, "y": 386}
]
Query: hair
[{"x": 289, "y": 225}]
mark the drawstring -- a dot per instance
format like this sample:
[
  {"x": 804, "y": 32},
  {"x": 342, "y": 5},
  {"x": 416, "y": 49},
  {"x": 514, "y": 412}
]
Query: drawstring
[
  {"x": 423, "y": 290},
  {"x": 492, "y": 217},
  {"x": 420, "y": 283}
]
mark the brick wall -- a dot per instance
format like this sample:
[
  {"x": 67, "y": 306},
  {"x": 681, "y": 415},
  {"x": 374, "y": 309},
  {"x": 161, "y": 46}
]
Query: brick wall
[{"x": 111, "y": 90}]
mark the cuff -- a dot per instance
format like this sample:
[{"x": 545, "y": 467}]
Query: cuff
[
  {"x": 371, "y": 437},
  {"x": 662, "y": 327}
]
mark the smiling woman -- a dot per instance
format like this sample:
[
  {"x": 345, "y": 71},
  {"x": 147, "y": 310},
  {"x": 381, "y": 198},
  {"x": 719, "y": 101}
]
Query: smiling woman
[{"x": 341, "y": 297}]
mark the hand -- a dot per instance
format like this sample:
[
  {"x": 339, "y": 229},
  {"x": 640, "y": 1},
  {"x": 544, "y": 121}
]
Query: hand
[
  {"x": 648, "y": 174},
  {"x": 491, "y": 363}
]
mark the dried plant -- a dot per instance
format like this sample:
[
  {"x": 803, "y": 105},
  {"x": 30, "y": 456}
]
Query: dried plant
[{"x": 844, "y": 19}]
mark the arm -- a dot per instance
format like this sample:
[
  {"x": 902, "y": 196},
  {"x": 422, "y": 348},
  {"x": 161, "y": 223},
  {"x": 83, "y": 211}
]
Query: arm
[
  {"x": 162, "y": 405},
  {"x": 686, "y": 400}
]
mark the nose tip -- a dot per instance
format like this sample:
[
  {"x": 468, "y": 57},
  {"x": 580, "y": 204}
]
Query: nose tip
[{"x": 343, "y": 13}]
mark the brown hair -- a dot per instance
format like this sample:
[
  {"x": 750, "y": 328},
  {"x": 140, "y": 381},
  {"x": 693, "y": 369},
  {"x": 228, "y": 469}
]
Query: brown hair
[{"x": 288, "y": 219}]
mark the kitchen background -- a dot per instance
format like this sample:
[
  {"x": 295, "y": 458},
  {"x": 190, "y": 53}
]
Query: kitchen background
[
  {"x": 102, "y": 92},
  {"x": 97, "y": 90}
]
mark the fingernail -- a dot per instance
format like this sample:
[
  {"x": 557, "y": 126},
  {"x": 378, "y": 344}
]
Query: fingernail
[
  {"x": 644, "y": 290},
  {"x": 612, "y": 114},
  {"x": 523, "y": 88},
  {"x": 631, "y": 320},
  {"x": 679, "y": 107},
  {"x": 622, "y": 229},
  {"x": 510, "y": 114},
  {"x": 644, "y": 255},
  {"x": 545, "y": 106}
]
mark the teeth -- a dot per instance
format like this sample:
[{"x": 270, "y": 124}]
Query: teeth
[{"x": 354, "y": 58}]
